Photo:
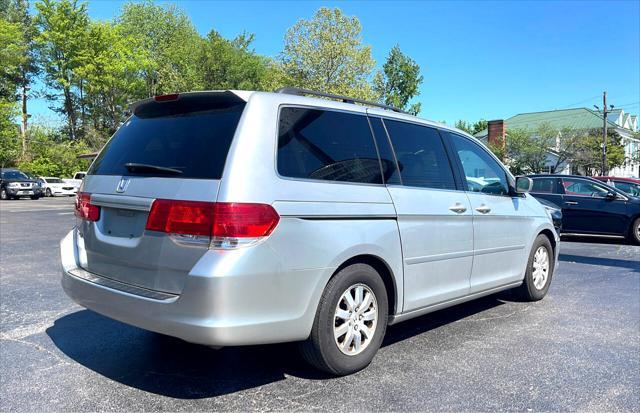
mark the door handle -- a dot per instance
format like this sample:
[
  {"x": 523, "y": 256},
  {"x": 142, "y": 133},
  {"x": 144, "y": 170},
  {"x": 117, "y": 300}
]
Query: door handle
[
  {"x": 483, "y": 209},
  {"x": 458, "y": 208},
  {"x": 571, "y": 203}
]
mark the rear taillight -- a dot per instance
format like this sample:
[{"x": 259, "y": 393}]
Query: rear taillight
[
  {"x": 181, "y": 217},
  {"x": 84, "y": 209},
  {"x": 229, "y": 225}
]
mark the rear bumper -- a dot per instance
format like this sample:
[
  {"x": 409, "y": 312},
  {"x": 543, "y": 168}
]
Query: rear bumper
[{"x": 220, "y": 305}]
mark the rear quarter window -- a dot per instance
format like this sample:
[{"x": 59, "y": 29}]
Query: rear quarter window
[
  {"x": 326, "y": 145},
  {"x": 195, "y": 143}
]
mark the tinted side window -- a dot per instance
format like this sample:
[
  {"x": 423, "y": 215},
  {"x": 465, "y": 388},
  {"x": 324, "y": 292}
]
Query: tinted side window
[
  {"x": 389, "y": 169},
  {"x": 482, "y": 172},
  {"x": 544, "y": 185},
  {"x": 580, "y": 187},
  {"x": 325, "y": 145},
  {"x": 421, "y": 156}
]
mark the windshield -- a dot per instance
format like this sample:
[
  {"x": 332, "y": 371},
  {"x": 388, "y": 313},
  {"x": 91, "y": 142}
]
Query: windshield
[
  {"x": 195, "y": 144},
  {"x": 53, "y": 180},
  {"x": 628, "y": 187},
  {"x": 17, "y": 175}
]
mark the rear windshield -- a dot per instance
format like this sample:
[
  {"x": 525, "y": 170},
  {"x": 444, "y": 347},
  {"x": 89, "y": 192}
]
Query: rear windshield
[{"x": 194, "y": 143}]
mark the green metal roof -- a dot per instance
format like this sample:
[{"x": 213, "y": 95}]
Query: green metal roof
[{"x": 579, "y": 118}]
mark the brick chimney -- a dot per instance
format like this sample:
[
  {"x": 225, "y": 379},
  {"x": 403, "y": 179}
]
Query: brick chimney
[{"x": 496, "y": 133}]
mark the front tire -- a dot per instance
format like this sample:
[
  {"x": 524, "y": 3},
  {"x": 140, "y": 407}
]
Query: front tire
[
  {"x": 34, "y": 197},
  {"x": 48, "y": 193},
  {"x": 3, "y": 194},
  {"x": 539, "y": 271},
  {"x": 350, "y": 322},
  {"x": 634, "y": 232}
]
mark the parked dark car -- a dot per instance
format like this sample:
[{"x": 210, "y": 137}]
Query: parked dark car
[
  {"x": 555, "y": 212},
  {"x": 15, "y": 183},
  {"x": 629, "y": 185},
  {"x": 589, "y": 206}
]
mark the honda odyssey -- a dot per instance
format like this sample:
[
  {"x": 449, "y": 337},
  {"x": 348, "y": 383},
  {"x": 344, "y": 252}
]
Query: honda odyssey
[{"x": 232, "y": 218}]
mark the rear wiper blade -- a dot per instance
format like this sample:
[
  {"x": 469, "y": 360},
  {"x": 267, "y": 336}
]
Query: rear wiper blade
[{"x": 143, "y": 167}]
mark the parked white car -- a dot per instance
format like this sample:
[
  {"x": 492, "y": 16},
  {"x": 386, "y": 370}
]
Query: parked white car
[
  {"x": 77, "y": 179},
  {"x": 57, "y": 187}
]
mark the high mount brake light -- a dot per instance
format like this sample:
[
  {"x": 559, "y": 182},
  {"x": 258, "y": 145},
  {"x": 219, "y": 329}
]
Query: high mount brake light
[
  {"x": 166, "y": 98},
  {"x": 229, "y": 225},
  {"x": 84, "y": 209}
]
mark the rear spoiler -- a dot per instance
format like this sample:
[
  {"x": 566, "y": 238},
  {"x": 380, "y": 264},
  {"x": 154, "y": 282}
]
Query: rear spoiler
[{"x": 187, "y": 102}]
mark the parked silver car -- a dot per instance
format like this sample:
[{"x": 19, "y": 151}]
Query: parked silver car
[{"x": 234, "y": 218}]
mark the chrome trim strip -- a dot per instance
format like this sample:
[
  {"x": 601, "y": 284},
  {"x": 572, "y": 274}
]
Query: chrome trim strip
[
  {"x": 120, "y": 286},
  {"x": 122, "y": 202}
]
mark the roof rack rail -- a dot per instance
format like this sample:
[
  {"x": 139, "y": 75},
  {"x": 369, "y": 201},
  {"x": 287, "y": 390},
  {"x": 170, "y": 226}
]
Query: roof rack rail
[{"x": 345, "y": 99}]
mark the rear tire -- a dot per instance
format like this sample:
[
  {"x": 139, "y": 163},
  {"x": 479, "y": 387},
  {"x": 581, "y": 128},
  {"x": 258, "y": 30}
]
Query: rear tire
[
  {"x": 539, "y": 272},
  {"x": 634, "y": 232},
  {"x": 353, "y": 303}
]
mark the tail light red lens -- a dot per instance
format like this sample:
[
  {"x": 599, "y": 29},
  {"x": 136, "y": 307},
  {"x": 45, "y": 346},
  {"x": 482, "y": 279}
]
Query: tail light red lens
[
  {"x": 233, "y": 220},
  {"x": 84, "y": 209},
  {"x": 181, "y": 217},
  {"x": 213, "y": 219}
]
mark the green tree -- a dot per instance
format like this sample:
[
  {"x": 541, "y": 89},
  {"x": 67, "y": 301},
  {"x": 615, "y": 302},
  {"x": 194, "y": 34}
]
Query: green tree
[
  {"x": 464, "y": 125},
  {"x": 12, "y": 55},
  {"x": 526, "y": 151},
  {"x": 326, "y": 54},
  {"x": 62, "y": 41},
  {"x": 470, "y": 128},
  {"x": 171, "y": 42},
  {"x": 231, "y": 64},
  {"x": 51, "y": 156},
  {"x": 399, "y": 81},
  {"x": 588, "y": 154},
  {"x": 17, "y": 11},
  {"x": 111, "y": 68}
]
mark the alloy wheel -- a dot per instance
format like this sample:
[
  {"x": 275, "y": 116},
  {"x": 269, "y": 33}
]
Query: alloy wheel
[
  {"x": 540, "y": 267},
  {"x": 355, "y": 319}
]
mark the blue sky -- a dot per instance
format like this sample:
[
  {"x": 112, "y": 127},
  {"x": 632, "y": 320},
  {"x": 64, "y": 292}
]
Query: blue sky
[{"x": 479, "y": 59}]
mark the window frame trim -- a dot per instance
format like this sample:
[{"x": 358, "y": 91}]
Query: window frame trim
[
  {"x": 456, "y": 182},
  {"x": 322, "y": 181},
  {"x": 508, "y": 175}
]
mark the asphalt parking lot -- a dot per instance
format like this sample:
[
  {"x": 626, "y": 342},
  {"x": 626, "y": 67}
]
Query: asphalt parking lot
[{"x": 578, "y": 349}]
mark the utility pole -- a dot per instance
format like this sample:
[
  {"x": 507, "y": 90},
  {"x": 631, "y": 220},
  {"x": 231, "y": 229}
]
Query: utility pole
[{"x": 604, "y": 133}]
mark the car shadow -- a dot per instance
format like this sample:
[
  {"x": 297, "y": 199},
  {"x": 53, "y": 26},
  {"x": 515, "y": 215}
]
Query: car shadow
[
  {"x": 595, "y": 240},
  {"x": 174, "y": 368},
  {"x": 609, "y": 262}
]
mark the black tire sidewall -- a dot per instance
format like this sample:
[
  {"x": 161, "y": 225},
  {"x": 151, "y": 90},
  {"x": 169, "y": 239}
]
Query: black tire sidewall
[
  {"x": 48, "y": 193},
  {"x": 4, "y": 195},
  {"x": 633, "y": 235},
  {"x": 337, "y": 361},
  {"x": 534, "y": 293}
]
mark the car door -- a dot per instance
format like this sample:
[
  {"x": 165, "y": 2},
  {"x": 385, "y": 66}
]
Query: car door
[
  {"x": 588, "y": 209},
  {"x": 501, "y": 223},
  {"x": 548, "y": 188},
  {"x": 433, "y": 214}
]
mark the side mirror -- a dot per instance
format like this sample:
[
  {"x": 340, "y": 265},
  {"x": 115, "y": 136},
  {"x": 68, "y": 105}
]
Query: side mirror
[
  {"x": 611, "y": 195},
  {"x": 523, "y": 184}
]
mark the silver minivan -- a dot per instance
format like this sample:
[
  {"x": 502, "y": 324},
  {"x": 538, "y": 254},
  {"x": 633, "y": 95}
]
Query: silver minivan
[{"x": 231, "y": 218}]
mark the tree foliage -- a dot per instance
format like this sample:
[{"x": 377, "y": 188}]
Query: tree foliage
[
  {"x": 472, "y": 128},
  {"x": 89, "y": 71},
  {"x": 399, "y": 81},
  {"x": 326, "y": 54}
]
